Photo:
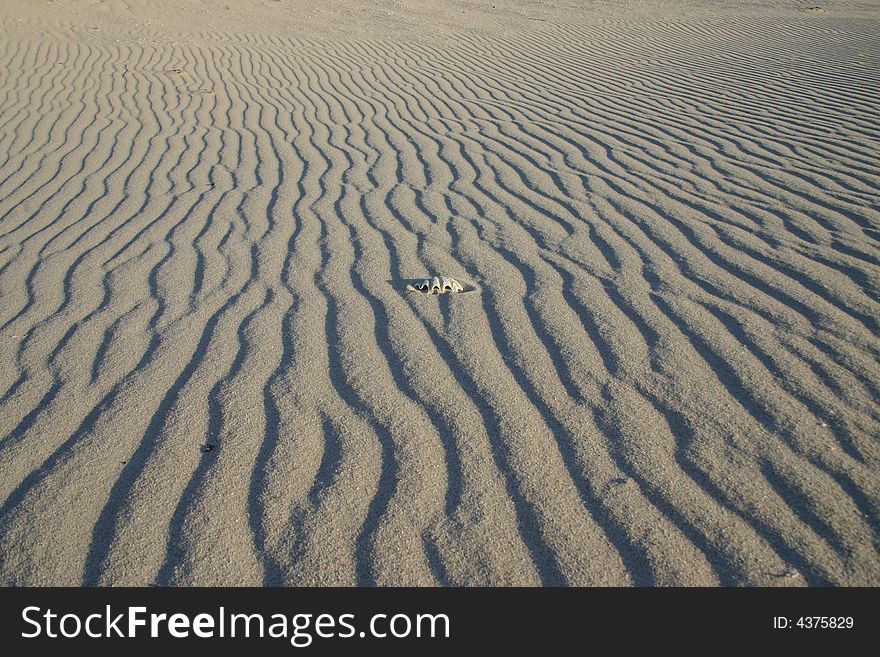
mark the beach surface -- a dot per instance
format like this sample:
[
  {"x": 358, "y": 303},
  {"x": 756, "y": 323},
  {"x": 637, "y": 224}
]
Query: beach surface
[{"x": 662, "y": 368}]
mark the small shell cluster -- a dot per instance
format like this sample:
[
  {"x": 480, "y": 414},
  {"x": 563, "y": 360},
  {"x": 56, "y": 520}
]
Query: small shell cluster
[{"x": 438, "y": 285}]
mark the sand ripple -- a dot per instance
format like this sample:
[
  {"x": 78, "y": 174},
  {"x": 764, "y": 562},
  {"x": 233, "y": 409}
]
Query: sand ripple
[{"x": 669, "y": 374}]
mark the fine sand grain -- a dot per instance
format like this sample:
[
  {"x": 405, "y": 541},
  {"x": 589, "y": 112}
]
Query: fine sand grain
[{"x": 662, "y": 368}]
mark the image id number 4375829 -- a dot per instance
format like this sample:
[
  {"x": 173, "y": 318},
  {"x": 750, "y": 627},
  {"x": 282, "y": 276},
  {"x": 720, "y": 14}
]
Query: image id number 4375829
[{"x": 814, "y": 623}]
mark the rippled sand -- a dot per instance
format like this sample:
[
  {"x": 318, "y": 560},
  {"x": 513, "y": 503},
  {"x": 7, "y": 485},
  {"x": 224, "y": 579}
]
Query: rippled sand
[{"x": 666, "y": 370}]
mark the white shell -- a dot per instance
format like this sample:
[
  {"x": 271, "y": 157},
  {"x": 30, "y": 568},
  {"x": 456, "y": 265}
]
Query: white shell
[{"x": 439, "y": 285}]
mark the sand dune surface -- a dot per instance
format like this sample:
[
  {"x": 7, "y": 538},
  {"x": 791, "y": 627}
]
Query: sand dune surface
[{"x": 662, "y": 368}]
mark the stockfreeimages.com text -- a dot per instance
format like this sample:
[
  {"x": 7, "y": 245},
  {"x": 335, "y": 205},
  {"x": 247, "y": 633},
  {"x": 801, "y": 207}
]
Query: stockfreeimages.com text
[{"x": 300, "y": 629}]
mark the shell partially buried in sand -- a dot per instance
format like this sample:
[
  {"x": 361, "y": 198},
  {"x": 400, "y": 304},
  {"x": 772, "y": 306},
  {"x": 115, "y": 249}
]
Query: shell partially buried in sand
[{"x": 437, "y": 285}]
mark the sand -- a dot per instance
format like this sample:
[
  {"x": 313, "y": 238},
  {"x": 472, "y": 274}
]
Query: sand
[{"x": 663, "y": 369}]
